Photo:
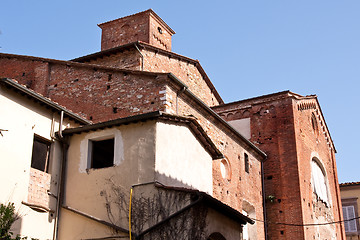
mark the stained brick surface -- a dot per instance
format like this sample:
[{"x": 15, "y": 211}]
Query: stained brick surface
[{"x": 39, "y": 185}]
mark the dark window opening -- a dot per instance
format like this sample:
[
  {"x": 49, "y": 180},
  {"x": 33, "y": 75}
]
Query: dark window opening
[
  {"x": 102, "y": 153},
  {"x": 40, "y": 154},
  {"x": 246, "y": 160},
  {"x": 160, "y": 30}
]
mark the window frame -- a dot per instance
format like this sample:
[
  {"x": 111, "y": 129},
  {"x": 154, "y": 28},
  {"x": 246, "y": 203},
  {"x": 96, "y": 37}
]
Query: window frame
[
  {"x": 318, "y": 189},
  {"x": 42, "y": 140},
  {"x": 91, "y": 152},
  {"x": 351, "y": 202},
  {"x": 246, "y": 163}
]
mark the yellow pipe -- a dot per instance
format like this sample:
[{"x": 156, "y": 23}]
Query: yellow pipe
[{"x": 131, "y": 191}]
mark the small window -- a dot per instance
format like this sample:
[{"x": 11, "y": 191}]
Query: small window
[
  {"x": 349, "y": 213},
  {"x": 314, "y": 124},
  {"x": 225, "y": 169},
  {"x": 102, "y": 153},
  {"x": 246, "y": 162},
  {"x": 40, "y": 154}
]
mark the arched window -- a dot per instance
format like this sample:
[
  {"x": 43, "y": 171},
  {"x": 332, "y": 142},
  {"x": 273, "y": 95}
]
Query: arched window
[
  {"x": 319, "y": 180},
  {"x": 216, "y": 236}
]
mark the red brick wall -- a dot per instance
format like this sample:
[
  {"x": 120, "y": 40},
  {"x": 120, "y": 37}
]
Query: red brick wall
[
  {"x": 39, "y": 184},
  {"x": 283, "y": 133},
  {"x": 143, "y": 27},
  {"x": 96, "y": 93},
  {"x": 186, "y": 71},
  {"x": 124, "y": 30},
  {"x": 159, "y": 39},
  {"x": 316, "y": 142},
  {"x": 128, "y": 59}
]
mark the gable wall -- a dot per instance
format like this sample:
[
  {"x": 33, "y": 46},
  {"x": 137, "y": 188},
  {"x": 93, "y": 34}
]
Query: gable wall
[
  {"x": 283, "y": 133},
  {"x": 316, "y": 143}
]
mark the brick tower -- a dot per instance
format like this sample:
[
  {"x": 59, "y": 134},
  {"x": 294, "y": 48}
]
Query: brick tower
[
  {"x": 145, "y": 26},
  {"x": 300, "y": 174}
]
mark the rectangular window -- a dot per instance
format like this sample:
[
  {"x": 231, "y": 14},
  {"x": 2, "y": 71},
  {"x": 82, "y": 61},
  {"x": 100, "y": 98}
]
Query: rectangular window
[
  {"x": 246, "y": 161},
  {"x": 349, "y": 213},
  {"x": 40, "y": 154},
  {"x": 102, "y": 153}
]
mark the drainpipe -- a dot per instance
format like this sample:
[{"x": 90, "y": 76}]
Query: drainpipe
[
  {"x": 61, "y": 181},
  {"x": 61, "y": 123},
  {"x": 263, "y": 196},
  {"x": 142, "y": 56},
  {"x": 177, "y": 98}
]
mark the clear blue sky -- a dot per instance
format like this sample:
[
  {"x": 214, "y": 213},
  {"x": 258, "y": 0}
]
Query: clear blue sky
[{"x": 247, "y": 47}]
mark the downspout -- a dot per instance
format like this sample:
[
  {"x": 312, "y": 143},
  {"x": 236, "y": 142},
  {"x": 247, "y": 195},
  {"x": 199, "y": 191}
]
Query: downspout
[
  {"x": 177, "y": 98},
  {"x": 142, "y": 56},
  {"x": 61, "y": 182},
  {"x": 264, "y": 198}
]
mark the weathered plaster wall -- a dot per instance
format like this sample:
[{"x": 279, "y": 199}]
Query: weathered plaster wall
[
  {"x": 136, "y": 165},
  {"x": 23, "y": 118},
  {"x": 181, "y": 161}
]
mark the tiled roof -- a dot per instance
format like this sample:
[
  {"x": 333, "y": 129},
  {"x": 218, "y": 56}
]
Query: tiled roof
[{"x": 349, "y": 184}]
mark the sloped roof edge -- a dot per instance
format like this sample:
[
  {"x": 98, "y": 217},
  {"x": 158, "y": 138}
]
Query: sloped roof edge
[
  {"x": 159, "y": 50},
  {"x": 212, "y": 202},
  {"x": 280, "y": 95},
  {"x": 194, "y": 126},
  {"x": 37, "y": 97},
  {"x": 216, "y": 116}
]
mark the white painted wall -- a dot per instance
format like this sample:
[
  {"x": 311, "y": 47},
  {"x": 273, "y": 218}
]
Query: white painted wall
[
  {"x": 22, "y": 119},
  {"x": 181, "y": 161}
]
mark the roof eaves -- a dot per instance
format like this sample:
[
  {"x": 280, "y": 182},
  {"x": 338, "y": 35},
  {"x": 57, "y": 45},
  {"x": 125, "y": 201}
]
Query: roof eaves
[
  {"x": 347, "y": 184},
  {"x": 142, "y": 12},
  {"x": 194, "y": 126},
  {"x": 36, "y": 96},
  {"x": 282, "y": 93},
  {"x": 212, "y": 202}
]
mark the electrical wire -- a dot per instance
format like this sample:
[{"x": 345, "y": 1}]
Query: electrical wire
[{"x": 305, "y": 225}]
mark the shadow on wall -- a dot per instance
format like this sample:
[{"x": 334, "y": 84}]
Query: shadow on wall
[{"x": 153, "y": 202}]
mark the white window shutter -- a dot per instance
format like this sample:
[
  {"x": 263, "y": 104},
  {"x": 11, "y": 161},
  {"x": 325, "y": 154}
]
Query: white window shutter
[
  {"x": 349, "y": 213},
  {"x": 346, "y": 223}
]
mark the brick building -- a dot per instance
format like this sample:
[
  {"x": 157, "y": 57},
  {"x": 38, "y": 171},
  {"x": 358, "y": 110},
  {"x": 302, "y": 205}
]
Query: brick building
[{"x": 136, "y": 73}]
